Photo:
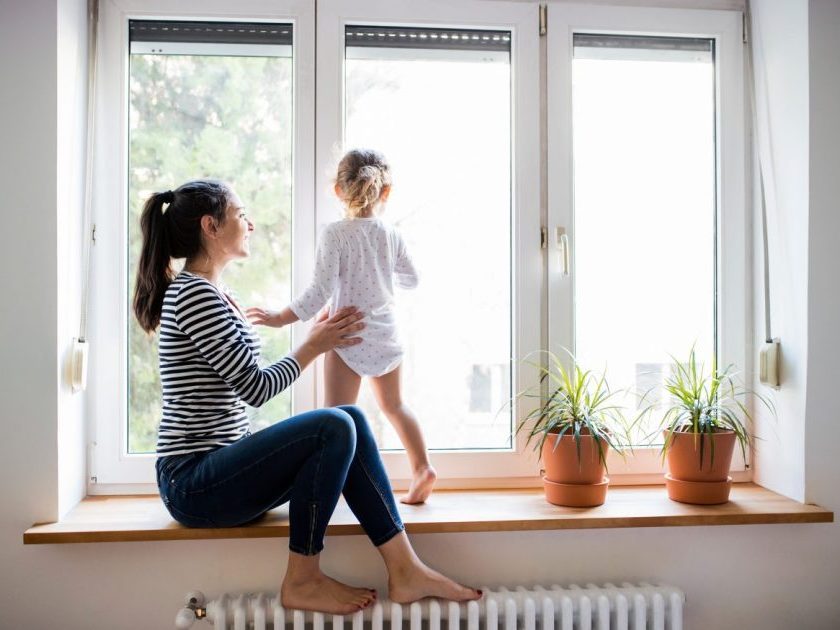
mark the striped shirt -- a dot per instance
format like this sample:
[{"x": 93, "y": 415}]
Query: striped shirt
[{"x": 208, "y": 356}]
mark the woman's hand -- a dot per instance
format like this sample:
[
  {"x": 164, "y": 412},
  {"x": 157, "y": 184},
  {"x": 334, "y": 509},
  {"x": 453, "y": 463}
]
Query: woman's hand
[
  {"x": 275, "y": 319},
  {"x": 330, "y": 332}
]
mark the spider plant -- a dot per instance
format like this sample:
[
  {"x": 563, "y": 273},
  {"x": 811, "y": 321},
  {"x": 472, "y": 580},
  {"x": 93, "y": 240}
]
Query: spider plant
[
  {"x": 579, "y": 402},
  {"x": 704, "y": 403}
]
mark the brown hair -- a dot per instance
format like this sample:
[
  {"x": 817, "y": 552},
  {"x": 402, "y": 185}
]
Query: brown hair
[
  {"x": 362, "y": 176},
  {"x": 174, "y": 232}
]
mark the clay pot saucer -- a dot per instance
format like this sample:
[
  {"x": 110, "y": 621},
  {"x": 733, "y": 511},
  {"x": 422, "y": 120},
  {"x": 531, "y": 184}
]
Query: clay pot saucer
[
  {"x": 698, "y": 492},
  {"x": 576, "y": 494}
]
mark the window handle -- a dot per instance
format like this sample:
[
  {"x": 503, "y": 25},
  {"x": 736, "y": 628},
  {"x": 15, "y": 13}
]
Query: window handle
[{"x": 562, "y": 240}]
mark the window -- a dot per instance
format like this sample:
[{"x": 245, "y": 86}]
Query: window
[
  {"x": 187, "y": 96},
  {"x": 646, "y": 188},
  {"x": 211, "y": 99},
  {"x": 643, "y": 181},
  {"x": 437, "y": 103},
  {"x": 454, "y": 107}
]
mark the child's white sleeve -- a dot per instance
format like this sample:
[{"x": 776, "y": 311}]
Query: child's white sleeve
[
  {"x": 324, "y": 279},
  {"x": 404, "y": 270}
]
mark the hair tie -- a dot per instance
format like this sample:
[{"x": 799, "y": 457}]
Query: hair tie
[{"x": 167, "y": 197}]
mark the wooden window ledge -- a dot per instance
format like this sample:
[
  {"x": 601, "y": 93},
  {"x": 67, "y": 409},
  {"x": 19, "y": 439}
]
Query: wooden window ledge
[{"x": 144, "y": 518}]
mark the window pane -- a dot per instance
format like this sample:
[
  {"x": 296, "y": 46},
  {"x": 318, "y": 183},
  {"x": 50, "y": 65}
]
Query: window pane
[
  {"x": 229, "y": 117},
  {"x": 644, "y": 207},
  {"x": 441, "y": 115}
]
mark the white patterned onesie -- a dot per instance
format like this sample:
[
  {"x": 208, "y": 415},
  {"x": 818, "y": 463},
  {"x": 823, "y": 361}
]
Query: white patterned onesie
[{"x": 357, "y": 264}]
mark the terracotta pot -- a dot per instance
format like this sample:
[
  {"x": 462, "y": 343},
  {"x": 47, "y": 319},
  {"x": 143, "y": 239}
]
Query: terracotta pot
[
  {"x": 576, "y": 494},
  {"x": 562, "y": 464},
  {"x": 684, "y": 456},
  {"x": 691, "y": 480}
]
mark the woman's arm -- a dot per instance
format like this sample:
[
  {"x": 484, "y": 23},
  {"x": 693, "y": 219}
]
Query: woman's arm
[{"x": 201, "y": 314}]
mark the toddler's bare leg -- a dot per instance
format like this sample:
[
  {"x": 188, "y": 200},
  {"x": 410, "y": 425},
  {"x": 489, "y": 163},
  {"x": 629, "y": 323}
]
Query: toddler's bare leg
[
  {"x": 341, "y": 384},
  {"x": 386, "y": 388}
]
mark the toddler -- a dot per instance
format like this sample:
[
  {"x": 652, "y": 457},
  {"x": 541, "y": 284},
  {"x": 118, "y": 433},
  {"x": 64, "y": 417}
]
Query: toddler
[{"x": 358, "y": 262}]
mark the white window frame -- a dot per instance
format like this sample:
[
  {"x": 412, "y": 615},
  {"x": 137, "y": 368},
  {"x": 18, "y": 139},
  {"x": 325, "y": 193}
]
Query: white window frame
[
  {"x": 318, "y": 102},
  {"x": 111, "y": 469},
  {"x": 645, "y": 464},
  {"x": 457, "y": 468}
]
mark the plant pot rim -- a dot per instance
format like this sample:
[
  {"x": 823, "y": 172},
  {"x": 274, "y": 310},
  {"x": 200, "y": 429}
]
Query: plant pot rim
[{"x": 568, "y": 434}]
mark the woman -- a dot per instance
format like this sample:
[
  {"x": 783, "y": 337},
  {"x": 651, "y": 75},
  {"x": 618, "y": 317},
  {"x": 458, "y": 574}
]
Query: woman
[{"x": 211, "y": 471}]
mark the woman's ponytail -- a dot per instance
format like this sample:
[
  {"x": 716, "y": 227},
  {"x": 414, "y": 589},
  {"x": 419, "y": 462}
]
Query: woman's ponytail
[
  {"x": 154, "y": 270},
  {"x": 173, "y": 233}
]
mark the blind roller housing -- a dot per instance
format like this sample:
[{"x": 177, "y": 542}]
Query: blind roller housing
[
  {"x": 426, "y": 38},
  {"x": 210, "y": 32},
  {"x": 642, "y": 48},
  {"x": 237, "y": 39}
]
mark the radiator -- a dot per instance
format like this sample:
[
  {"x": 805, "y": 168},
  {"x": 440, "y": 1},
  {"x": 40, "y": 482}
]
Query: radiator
[{"x": 608, "y": 607}]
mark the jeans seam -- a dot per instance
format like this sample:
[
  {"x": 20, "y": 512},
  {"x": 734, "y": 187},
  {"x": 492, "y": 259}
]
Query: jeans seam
[
  {"x": 313, "y": 511},
  {"x": 394, "y": 521}
]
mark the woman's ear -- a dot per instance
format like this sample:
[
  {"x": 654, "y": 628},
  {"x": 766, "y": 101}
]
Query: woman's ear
[
  {"x": 386, "y": 192},
  {"x": 209, "y": 226}
]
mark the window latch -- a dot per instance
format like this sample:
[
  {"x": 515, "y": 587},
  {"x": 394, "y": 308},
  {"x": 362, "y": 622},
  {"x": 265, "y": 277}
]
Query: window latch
[{"x": 562, "y": 243}]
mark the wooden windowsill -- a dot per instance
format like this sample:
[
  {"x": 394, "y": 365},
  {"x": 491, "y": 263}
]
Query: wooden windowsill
[{"x": 144, "y": 518}]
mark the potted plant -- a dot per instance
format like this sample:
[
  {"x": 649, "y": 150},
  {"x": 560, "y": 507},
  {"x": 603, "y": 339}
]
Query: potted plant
[
  {"x": 574, "y": 426},
  {"x": 705, "y": 419}
]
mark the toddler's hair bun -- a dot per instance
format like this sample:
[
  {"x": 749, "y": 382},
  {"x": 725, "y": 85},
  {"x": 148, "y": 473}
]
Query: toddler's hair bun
[
  {"x": 369, "y": 172},
  {"x": 362, "y": 175}
]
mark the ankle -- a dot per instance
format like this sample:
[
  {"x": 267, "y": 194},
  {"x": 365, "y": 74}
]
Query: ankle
[{"x": 301, "y": 569}]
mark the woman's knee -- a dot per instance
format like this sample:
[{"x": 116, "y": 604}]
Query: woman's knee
[
  {"x": 359, "y": 420},
  {"x": 339, "y": 425}
]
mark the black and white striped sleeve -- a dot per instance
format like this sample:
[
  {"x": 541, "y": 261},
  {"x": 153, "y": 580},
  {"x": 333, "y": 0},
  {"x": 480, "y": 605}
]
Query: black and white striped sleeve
[{"x": 201, "y": 314}]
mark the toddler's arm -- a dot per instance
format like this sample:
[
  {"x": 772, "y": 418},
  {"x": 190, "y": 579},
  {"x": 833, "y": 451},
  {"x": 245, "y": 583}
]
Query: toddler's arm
[
  {"x": 324, "y": 280},
  {"x": 275, "y": 319},
  {"x": 404, "y": 270}
]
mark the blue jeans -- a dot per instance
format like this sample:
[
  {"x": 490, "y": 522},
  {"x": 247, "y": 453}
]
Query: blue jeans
[{"x": 308, "y": 460}]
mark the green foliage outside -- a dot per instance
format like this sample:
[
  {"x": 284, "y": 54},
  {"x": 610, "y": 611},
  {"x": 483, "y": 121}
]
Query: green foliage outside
[{"x": 227, "y": 118}]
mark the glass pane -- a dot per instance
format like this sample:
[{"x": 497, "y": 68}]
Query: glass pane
[
  {"x": 442, "y": 118},
  {"x": 644, "y": 209},
  {"x": 230, "y": 118}
]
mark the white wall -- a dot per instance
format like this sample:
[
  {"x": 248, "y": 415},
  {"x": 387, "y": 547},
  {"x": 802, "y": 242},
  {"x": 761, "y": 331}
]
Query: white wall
[
  {"x": 782, "y": 98},
  {"x": 822, "y": 426},
  {"x": 736, "y": 577},
  {"x": 71, "y": 101}
]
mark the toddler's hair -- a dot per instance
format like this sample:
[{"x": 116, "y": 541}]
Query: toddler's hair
[{"x": 362, "y": 175}]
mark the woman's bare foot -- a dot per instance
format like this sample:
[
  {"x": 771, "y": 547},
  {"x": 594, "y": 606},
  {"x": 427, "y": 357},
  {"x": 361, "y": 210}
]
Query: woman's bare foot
[
  {"x": 305, "y": 587},
  {"x": 326, "y": 595},
  {"x": 421, "y": 486},
  {"x": 421, "y": 581}
]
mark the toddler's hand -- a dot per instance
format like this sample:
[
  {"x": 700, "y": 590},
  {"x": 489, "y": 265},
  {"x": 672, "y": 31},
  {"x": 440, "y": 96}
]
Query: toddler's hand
[{"x": 262, "y": 317}]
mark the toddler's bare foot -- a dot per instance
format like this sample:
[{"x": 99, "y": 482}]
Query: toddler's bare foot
[
  {"x": 324, "y": 594},
  {"x": 421, "y": 581},
  {"x": 421, "y": 487}
]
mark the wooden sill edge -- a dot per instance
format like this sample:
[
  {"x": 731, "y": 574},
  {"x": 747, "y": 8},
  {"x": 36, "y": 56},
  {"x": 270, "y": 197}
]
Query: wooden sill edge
[{"x": 144, "y": 518}]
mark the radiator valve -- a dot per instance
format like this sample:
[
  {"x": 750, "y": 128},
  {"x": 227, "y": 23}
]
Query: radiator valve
[{"x": 195, "y": 609}]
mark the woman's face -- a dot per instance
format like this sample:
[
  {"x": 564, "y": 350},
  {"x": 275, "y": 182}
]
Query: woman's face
[{"x": 233, "y": 234}]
